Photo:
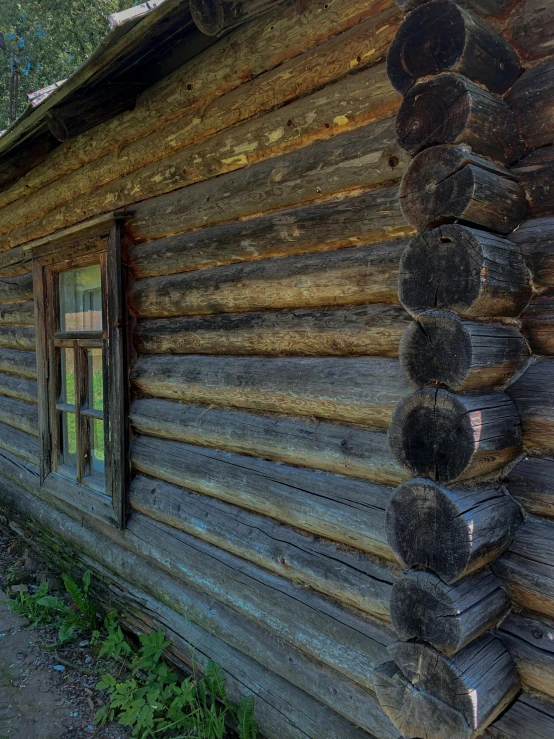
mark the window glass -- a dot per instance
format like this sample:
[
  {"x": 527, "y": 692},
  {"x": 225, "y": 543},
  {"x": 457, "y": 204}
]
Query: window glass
[
  {"x": 69, "y": 439},
  {"x": 81, "y": 299},
  {"x": 67, "y": 376},
  {"x": 97, "y": 446},
  {"x": 95, "y": 380}
]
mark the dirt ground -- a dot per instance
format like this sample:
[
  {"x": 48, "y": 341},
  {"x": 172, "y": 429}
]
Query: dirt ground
[{"x": 44, "y": 694}]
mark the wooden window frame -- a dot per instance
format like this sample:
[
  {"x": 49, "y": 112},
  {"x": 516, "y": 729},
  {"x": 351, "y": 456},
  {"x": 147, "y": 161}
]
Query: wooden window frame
[{"x": 96, "y": 241}]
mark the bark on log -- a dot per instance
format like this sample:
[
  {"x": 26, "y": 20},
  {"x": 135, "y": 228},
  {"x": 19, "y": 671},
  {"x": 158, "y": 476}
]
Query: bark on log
[
  {"x": 530, "y": 29},
  {"x": 449, "y": 617},
  {"x": 344, "y": 277},
  {"x": 451, "y": 110},
  {"x": 533, "y": 395},
  {"x": 528, "y": 716},
  {"x": 437, "y": 697},
  {"x": 451, "y": 532},
  {"x": 474, "y": 273},
  {"x": 19, "y": 414},
  {"x": 535, "y": 240},
  {"x": 449, "y": 183},
  {"x": 444, "y": 436},
  {"x": 441, "y": 37},
  {"x": 345, "y": 450},
  {"x": 537, "y": 324},
  {"x": 531, "y": 483},
  {"x": 536, "y": 174},
  {"x": 346, "y": 575},
  {"x": 531, "y": 644},
  {"x": 356, "y": 390},
  {"x": 367, "y": 329},
  {"x": 439, "y": 347},
  {"x": 339, "y": 508},
  {"x": 16, "y": 362},
  {"x": 532, "y": 101},
  {"x": 214, "y": 17}
]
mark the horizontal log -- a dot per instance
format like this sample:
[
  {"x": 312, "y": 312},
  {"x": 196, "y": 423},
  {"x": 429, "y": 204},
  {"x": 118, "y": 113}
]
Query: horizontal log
[
  {"x": 530, "y": 642},
  {"x": 528, "y": 716},
  {"x": 21, "y": 388},
  {"x": 368, "y": 218},
  {"x": 449, "y": 109},
  {"x": 213, "y": 17},
  {"x": 18, "y": 442},
  {"x": 18, "y": 314},
  {"x": 437, "y": 697},
  {"x": 367, "y": 329},
  {"x": 15, "y": 289},
  {"x": 537, "y": 324},
  {"x": 481, "y": 7},
  {"x": 20, "y": 415},
  {"x": 20, "y": 363},
  {"x": 130, "y": 575},
  {"x": 15, "y": 262},
  {"x": 487, "y": 275},
  {"x": 535, "y": 172},
  {"x": 346, "y": 575},
  {"x": 344, "y": 277},
  {"x": 12, "y": 337},
  {"x": 532, "y": 101},
  {"x": 452, "y": 532},
  {"x": 535, "y": 240},
  {"x": 441, "y": 37},
  {"x": 356, "y": 390},
  {"x": 345, "y": 450},
  {"x": 531, "y": 483},
  {"x": 533, "y": 395},
  {"x": 445, "y": 436},
  {"x": 348, "y": 511},
  {"x": 439, "y": 347},
  {"x": 530, "y": 28},
  {"x": 446, "y": 183},
  {"x": 448, "y": 617},
  {"x": 527, "y": 569}
]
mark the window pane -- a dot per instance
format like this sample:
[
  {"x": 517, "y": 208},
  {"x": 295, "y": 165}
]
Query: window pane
[
  {"x": 81, "y": 299},
  {"x": 69, "y": 439},
  {"x": 68, "y": 376},
  {"x": 97, "y": 446},
  {"x": 95, "y": 380}
]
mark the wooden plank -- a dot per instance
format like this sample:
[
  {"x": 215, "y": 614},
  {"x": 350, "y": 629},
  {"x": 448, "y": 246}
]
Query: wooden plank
[
  {"x": 342, "y": 277},
  {"x": 356, "y": 390},
  {"x": 533, "y": 395},
  {"x": 347, "y": 575},
  {"x": 19, "y": 414},
  {"x": 350, "y": 220},
  {"x": 339, "y": 508},
  {"x": 528, "y": 717},
  {"x": 531, "y": 483},
  {"x": 530, "y": 641},
  {"x": 367, "y": 329},
  {"x": 20, "y": 363},
  {"x": 346, "y": 450}
]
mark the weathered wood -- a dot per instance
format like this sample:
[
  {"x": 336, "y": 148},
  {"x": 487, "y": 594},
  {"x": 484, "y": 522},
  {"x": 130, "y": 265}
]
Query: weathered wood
[
  {"x": 531, "y": 483},
  {"x": 347, "y": 575},
  {"x": 14, "y": 262},
  {"x": 19, "y": 414},
  {"x": 20, "y": 363},
  {"x": 527, "y": 569},
  {"x": 441, "y": 37},
  {"x": 346, "y": 450},
  {"x": 16, "y": 288},
  {"x": 356, "y": 390},
  {"x": 528, "y": 717},
  {"x": 449, "y": 109},
  {"x": 481, "y": 7},
  {"x": 535, "y": 240},
  {"x": 17, "y": 337},
  {"x": 18, "y": 314},
  {"x": 21, "y": 443},
  {"x": 348, "y": 511},
  {"x": 537, "y": 324},
  {"x": 532, "y": 101},
  {"x": 445, "y": 436},
  {"x": 536, "y": 174},
  {"x": 342, "y": 277},
  {"x": 446, "y": 183},
  {"x": 531, "y": 643},
  {"x": 449, "y": 617},
  {"x": 213, "y": 17},
  {"x": 439, "y": 347},
  {"x": 472, "y": 688},
  {"x": 473, "y": 273},
  {"x": 453, "y": 532},
  {"x": 367, "y": 329},
  {"x": 369, "y": 218},
  {"x": 21, "y": 388},
  {"x": 530, "y": 28},
  {"x": 533, "y": 395}
]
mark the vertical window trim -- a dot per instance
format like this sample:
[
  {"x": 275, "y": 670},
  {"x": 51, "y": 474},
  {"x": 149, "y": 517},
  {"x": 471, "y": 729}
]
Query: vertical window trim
[{"x": 114, "y": 358}]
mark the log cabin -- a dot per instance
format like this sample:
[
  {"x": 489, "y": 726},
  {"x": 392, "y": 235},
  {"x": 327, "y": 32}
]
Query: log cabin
[{"x": 277, "y": 352}]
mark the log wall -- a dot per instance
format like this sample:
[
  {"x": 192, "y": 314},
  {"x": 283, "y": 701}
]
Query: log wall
[{"x": 340, "y": 416}]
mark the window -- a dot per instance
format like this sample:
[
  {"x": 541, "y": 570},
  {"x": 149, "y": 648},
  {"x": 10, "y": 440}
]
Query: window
[{"x": 79, "y": 296}]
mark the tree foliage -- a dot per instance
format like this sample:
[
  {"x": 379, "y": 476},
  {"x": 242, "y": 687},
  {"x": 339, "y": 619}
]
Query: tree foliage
[{"x": 52, "y": 37}]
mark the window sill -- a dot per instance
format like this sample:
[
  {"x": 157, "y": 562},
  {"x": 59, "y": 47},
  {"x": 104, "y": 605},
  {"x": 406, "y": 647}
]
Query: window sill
[{"x": 90, "y": 501}]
